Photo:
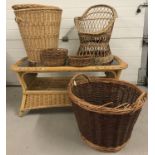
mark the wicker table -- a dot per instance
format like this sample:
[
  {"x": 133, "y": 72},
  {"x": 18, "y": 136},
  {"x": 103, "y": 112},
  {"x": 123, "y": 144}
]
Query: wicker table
[{"x": 47, "y": 92}]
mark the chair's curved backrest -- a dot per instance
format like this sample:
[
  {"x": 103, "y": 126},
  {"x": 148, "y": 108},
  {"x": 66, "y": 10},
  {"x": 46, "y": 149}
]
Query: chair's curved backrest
[{"x": 96, "y": 19}]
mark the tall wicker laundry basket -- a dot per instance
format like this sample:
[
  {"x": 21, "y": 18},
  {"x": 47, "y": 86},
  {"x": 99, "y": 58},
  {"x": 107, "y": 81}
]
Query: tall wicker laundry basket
[
  {"x": 39, "y": 27},
  {"x": 106, "y": 110},
  {"x": 94, "y": 28}
]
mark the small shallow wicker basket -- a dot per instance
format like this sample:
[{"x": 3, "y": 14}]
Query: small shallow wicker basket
[
  {"x": 39, "y": 27},
  {"x": 106, "y": 110},
  {"x": 80, "y": 61},
  {"x": 94, "y": 28},
  {"x": 54, "y": 57}
]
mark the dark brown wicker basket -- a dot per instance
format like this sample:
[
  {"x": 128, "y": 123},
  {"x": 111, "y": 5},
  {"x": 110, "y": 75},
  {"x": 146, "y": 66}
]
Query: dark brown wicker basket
[
  {"x": 106, "y": 110},
  {"x": 54, "y": 57},
  {"x": 80, "y": 61}
]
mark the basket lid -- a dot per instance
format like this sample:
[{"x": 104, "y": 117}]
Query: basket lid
[{"x": 28, "y": 7}]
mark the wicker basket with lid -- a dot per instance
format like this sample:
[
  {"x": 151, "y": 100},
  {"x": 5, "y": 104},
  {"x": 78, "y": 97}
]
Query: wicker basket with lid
[{"x": 39, "y": 27}]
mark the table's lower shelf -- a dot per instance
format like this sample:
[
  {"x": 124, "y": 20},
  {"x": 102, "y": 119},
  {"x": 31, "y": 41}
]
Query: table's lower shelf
[
  {"x": 45, "y": 92},
  {"x": 36, "y": 100}
]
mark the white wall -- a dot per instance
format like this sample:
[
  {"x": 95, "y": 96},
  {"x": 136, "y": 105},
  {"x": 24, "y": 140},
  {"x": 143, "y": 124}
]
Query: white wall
[{"x": 126, "y": 41}]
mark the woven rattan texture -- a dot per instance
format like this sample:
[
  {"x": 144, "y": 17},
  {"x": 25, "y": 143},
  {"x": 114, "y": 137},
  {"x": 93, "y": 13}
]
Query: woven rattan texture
[
  {"x": 80, "y": 61},
  {"x": 54, "y": 57},
  {"x": 57, "y": 99},
  {"x": 46, "y": 92},
  {"x": 106, "y": 110},
  {"x": 94, "y": 29},
  {"x": 39, "y": 28},
  {"x": 108, "y": 131}
]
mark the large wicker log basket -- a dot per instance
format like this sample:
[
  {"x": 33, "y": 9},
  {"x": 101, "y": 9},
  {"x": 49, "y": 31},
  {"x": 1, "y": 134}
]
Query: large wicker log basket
[{"x": 106, "y": 110}]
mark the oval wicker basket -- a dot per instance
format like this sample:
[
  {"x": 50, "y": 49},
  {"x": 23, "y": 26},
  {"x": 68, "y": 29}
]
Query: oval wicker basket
[
  {"x": 106, "y": 110},
  {"x": 39, "y": 27},
  {"x": 54, "y": 57},
  {"x": 94, "y": 28},
  {"x": 80, "y": 61}
]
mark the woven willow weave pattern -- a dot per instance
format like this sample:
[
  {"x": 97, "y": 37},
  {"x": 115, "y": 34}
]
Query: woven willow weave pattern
[
  {"x": 54, "y": 57},
  {"x": 80, "y": 61},
  {"x": 94, "y": 29},
  {"x": 106, "y": 110},
  {"x": 39, "y": 27}
]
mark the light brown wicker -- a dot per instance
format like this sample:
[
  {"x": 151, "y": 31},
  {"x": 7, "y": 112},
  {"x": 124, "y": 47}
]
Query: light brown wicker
[
  {"x": 44, "y": 92},
  {"x": 54, "y": 57},
  {"x": 47, "y": 92},
  {"x": 94, "y": 28},
  {"x": 39, "y": 27}
]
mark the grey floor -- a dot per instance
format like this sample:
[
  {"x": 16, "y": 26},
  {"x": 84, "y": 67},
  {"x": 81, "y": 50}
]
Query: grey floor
[{"x": 54, "y": 132}]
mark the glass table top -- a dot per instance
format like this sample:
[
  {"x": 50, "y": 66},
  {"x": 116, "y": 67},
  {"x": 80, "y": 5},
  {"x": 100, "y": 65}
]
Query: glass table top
[{"x": 26, "y": 63}]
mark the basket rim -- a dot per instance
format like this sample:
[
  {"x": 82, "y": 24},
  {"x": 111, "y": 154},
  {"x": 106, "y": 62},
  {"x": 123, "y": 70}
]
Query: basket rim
[
  {"x": 106, "y": 110},
  {"x": 55, "y": 50},
  {"x": 103, "y": 148},
  {"x": 33, "y": 7},
  {"x": 80, "y": 57},
  {"x": 102, "y": 5}
]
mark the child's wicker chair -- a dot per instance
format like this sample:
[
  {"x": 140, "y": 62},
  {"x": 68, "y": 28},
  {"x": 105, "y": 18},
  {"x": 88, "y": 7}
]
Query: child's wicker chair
[{"x": 94, "y": 29}]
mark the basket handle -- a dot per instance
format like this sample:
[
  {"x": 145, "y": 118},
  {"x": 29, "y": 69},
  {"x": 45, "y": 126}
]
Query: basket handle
[
  {"x": 18, "y": 19},
  {"x": 142, "y": 97},
  {"x": 140, "y": 101},
  {"x": 73, "y": 80}
]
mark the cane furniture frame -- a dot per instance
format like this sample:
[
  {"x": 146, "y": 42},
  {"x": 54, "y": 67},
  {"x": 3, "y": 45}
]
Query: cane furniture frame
[{"x": 48, "y": 92}]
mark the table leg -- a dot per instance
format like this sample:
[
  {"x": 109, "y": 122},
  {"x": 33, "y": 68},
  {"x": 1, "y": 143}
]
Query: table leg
[
  {"x": 118, "y": 73},
  {"x": 25, "y": 79},
  {"x": 22, "y": 111}
]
